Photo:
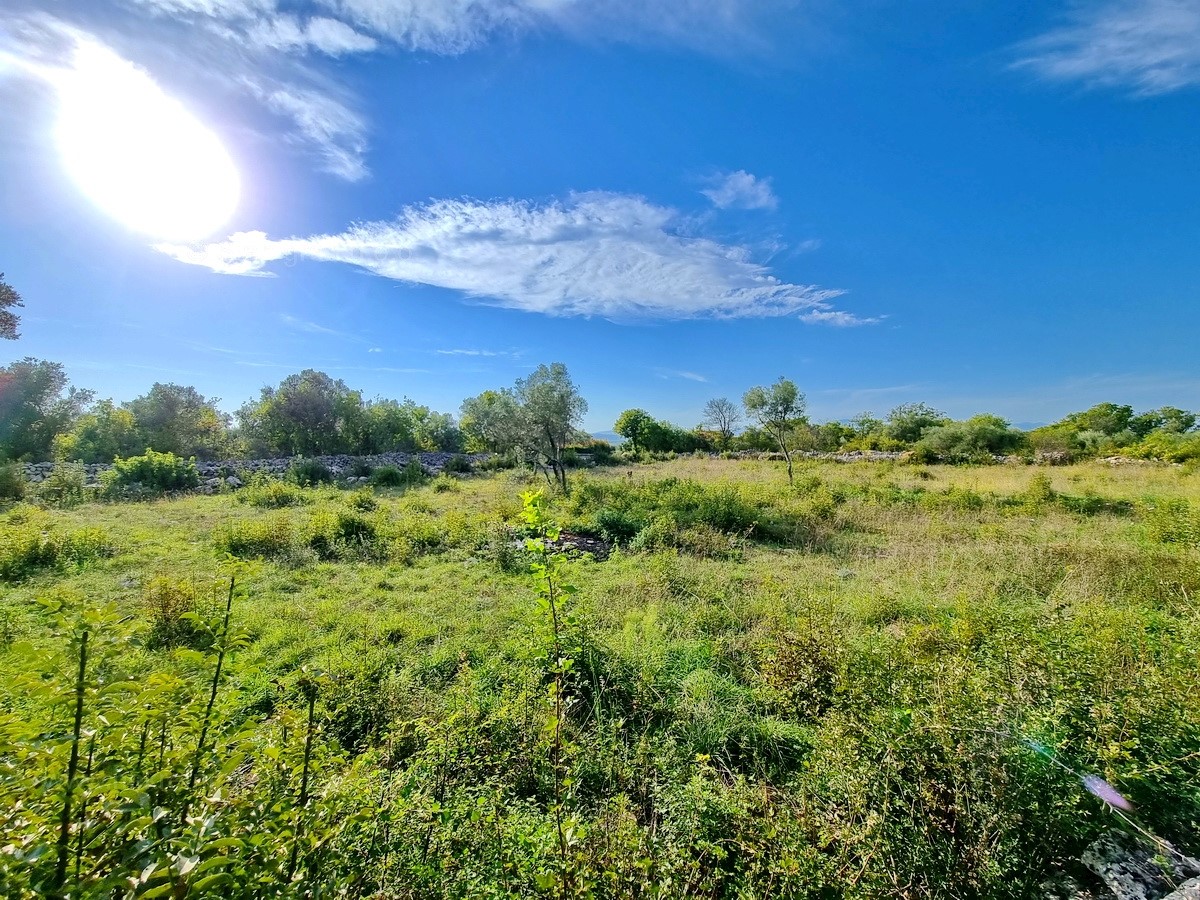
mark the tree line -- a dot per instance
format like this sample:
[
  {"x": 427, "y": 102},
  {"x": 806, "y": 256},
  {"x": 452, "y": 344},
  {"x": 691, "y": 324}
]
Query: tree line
[
  {"x": 537, "y": 421},
  {"x": 775, "y": 420}
]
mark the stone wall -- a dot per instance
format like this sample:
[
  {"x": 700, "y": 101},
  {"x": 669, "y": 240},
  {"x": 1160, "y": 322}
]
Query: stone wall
[{"x": 340, "y": 466}]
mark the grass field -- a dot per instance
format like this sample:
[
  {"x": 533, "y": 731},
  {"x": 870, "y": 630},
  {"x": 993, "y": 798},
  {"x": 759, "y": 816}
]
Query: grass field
[{"x": 847, "y": 688}]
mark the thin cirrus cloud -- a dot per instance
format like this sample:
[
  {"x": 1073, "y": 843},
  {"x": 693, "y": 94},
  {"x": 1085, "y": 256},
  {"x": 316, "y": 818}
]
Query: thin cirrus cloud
[
  {"x": 299, "y": 104},
  {"x": 316, "y": 328},
  {"x": 1143, "y": 46},
  {"x": 740, "y": 190},
  {"x": 678, "y": 373},
  {"x": 283, "y": 54},
  {"x": 595, "y": 254}
]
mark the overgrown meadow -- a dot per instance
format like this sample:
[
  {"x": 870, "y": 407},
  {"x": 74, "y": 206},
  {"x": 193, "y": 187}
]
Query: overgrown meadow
[{"x": 885, "y": 680}]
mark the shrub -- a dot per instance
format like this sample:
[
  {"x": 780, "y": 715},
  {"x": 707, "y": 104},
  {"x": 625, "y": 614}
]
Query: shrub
[
  {"x": 390, "y": 476},
  {"x": 172, "y": 608},
  {"x": 339, "y": 534},
  {"x": 266, "y": 492},
  {"x": 263, "y": 537},
  {"x": 1040, "y": 491},
  {"x": 363, "y": 500},
  {"x": 12, "y": 482},
  {"x": 307, "y": 472},
  {"x": 617, "y": 526},
  {"x": 387, "y": 476},
  {"x": 152, "y": 472},
  {"x": 976, "y": 440},
  {"x": 457, "y": 465},
  {"x": 30, "y": 541},
  {"x": 1167, "y": 446},
  {"x": 1172, "y": 521},
  {"x": 64, "y": 486},
  {"x": 444, "y": 483}
]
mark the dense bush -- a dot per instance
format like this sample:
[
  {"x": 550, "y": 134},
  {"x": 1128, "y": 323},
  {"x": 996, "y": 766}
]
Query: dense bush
[
  {"x": 152, "y": 472},
  {"x": 271, "y": 493},
  {"x": 12, "y": 481},
  {"x": 307, "y": 472},
  {"x": 974, "y": 441},
  {"x": 412, "y": 474},
  {"x": 387, "y": 476},
  {"x": 1167, "y": 446},
  {"x": 457, "y": 465},
  {"x": 1172, "y": 521},
  {"x": 66, "y": 485}
]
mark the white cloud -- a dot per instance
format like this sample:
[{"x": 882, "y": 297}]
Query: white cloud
[
  {"x": 218, "y": 63},
  {"x": 277, "y": 53},
  {"x": 335, "y": 133},
  {"x": 677, "y": 373},
  {"x": 1147, "y": 46},
  {"x": 315, "y": 328},
  {"x": 740, "y": 190},
  {"x": 835, "y": 317},
  {"x": 596, "y": 254},
  {"x": 329, "y": 36},
  {"x": 455, "y": 26}
]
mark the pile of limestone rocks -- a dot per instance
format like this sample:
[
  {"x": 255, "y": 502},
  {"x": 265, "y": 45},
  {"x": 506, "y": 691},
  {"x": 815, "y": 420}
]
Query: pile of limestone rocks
[
  {"x": 1130, "y": 868},
  {"x": 231, "y": 472}
]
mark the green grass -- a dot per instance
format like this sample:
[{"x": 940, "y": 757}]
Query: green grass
[{"x": 820, "y": 691}]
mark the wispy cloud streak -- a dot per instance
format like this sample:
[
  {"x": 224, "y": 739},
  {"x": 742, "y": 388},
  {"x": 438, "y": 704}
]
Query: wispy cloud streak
[
  {"x": 611, "y": 255},
  {"x": 1144, "y": 46}
]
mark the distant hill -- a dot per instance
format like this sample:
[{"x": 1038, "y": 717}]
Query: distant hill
[
  {"x": 1029, "y": 426},
  {"x": 611, "y": 436}
]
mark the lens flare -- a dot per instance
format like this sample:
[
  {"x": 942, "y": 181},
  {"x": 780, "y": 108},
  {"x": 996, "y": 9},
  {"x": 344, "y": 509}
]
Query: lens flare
[{"x": 137, "y": 153}]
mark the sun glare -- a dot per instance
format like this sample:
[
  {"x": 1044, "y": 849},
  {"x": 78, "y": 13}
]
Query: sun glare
[{"x": 138, "y": 154}]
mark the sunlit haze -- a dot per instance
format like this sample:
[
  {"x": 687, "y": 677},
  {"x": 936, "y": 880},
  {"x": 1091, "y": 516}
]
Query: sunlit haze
[{"x": 138, "y": 154}]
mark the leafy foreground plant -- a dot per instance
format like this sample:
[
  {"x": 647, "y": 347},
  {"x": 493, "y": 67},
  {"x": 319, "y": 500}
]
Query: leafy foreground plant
[{"x": 120, "y": 787}]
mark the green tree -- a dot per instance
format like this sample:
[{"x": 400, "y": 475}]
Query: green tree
[
  {"x": 36, "y": 405},
  {"x": 175, "y": 418},
  {"x": 308, "y": 414},
  {"x": 492, "y": 422},
  {"x": 778, "y": 410},
  {"x": 829, "y": 437},
  {"x": 553, "y": 408},
  {"x": 978, "y": 439},
  {"x": 100, "y": 435},
  {"x": 1169, "y": 419},
  {"x": 9, "y": 300},
  {"x": 634, "y": 425},
  {"x": 908, "y": 422},
  {"x": 722, "y": 416},
  {"x": 1106, "y": 418}
]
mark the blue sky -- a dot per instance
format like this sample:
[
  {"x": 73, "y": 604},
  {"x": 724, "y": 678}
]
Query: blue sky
[{"x": 987, "y": 207}]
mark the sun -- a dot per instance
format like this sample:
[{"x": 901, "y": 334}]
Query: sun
[{"x": 138, "y": 154}]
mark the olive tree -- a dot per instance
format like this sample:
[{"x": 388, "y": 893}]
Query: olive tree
[
  {"x": 552, "y": 409},
  {"x": 777, "y": 409},
  {"x": 492, "y": 422}
]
